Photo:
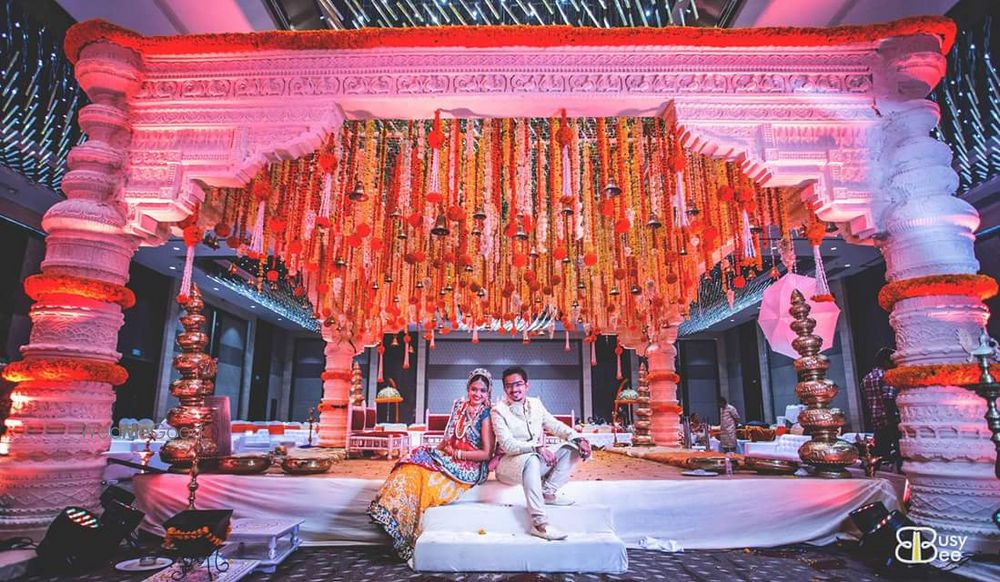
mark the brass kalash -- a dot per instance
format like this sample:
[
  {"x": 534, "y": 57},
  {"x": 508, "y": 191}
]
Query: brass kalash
[
  {"x": 197, "y": 369},
  {"x": 825, "y": 452}
]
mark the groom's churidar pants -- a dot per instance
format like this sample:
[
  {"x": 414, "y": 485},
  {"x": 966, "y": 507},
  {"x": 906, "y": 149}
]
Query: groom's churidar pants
[{"x": 538, "y": 480}]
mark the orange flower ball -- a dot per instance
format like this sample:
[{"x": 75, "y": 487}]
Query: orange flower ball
[{"x": 590, "y": 259}]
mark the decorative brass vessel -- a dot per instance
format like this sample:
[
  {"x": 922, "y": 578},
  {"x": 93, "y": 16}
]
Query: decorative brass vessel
[
  {"x": 643, "y": 413},
  {"x": 770, "y": 466},
  {"x": 828, "y": 454},
  {"x": 306, "y": 465},
  {"x": 197, "y": 381},
  {"x": 244, "y": 464}
]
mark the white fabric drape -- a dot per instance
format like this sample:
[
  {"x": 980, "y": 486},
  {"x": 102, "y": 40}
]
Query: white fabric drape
[{"x": 708, "y": 513}]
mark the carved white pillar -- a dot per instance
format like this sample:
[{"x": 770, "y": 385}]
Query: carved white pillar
[
  {"x": 665, "y": 422},
  {"x": 61, "y": 417},
  {"x": 333, "y": 409},
  {"x": 927, "y": 233}
]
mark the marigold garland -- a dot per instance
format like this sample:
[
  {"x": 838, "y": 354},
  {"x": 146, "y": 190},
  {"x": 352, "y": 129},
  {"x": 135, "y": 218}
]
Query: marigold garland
[
  {"x": 663, "y": 376},
  {"x": 65, "y": 370},
  {"x": 981, "y": 286},
  {"x": 937, "y": 375},
  {"x": 335, "y": 375},
  {"x": 92, "y": 31},
  {"x": 42, "y": 284}
]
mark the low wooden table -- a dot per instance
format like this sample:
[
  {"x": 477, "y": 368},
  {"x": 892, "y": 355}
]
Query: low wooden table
[{"x": 269, "y": 541}]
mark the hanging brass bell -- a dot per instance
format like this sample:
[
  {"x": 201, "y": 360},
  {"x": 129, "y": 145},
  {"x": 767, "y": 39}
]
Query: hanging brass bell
[
  {"x": 520, "y": 234},
  {"x": 420, "y": 285},
  {"x": 388, "y": 278},
  {"x": 479, "y": 214},
  {"x": 635, "y": 290},
  {"x": 358, "y": 194},
  {"x": 469, "y": 269},
  {"x": 375, "y": 286},
  {"x": 475, "y": 231},
  {"x": 581, "y": 286},
  {"x": 340, "y": 263},
  {"x": 440, "y": 226},
  {"x": 533, "y": 253},
  {"x": 481, "y": 292},
  {"x": 395, "y": 341},
  {"x": 614, "y": 291},
  {"x": 654, "y": 221},
  {"x": 611, "y": 189}
]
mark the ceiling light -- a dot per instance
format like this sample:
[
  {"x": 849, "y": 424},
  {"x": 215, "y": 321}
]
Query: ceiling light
[
  {"x": 173, "y": 268},
  {"x": 215, "y": 288},
  {"x": 177, "y": 248},
  {"x": 253, "y": 307},
  {"x": 833, "y": 248},
  {"x": 847, "y": 266}
]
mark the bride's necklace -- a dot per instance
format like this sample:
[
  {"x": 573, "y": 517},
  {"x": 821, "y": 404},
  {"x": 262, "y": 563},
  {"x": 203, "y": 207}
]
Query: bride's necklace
[{"x": 465, "y": 420}]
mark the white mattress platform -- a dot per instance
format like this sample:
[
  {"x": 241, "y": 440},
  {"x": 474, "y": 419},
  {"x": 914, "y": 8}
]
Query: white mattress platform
[{"x": 482, "y": 537}]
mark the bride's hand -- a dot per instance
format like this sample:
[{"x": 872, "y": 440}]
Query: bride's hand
[{"x": 448, "y": 450}]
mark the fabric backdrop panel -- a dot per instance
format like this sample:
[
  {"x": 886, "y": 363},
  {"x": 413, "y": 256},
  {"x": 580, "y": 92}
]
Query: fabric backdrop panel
[{"x": 553, "y": 373}]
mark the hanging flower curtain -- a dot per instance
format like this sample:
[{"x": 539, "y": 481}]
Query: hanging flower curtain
[{"x": 506, "y": 224}]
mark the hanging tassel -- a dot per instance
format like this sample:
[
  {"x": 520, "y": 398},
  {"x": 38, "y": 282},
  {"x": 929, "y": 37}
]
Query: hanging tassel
[
  {"x": 434, "y": 187},
  {"x": 323, "y": 217},
  {"x": 432, "y": 346},
  {"x": 566, "y": 346},
  {"x": 185, "y": 291},
  {"x": 381, "y": 351},
  {"x": 593, "y": 352},
  {"x": 524, "y": 337},
  {"x": 749, "y": 252},
  {"x": 822, "y": 286},
  {"x": 475, "y": 335},
  {"x": 681, "y": 201},
  {"x": 730, "y": 297},
  {"x": 257, "y": 239},
  {"x": 406, "y": 351},
  {"x": 618, "y": 352}
]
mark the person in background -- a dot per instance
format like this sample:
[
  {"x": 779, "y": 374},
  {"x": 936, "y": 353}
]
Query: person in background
[
  {"x": 728, "y": 419},
  {"x": 880, "y": 402}
]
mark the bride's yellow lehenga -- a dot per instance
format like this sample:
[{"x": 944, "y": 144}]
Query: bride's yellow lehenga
[{"x": 428, "y": 477}]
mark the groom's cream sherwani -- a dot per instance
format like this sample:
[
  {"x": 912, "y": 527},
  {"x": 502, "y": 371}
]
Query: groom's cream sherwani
[{"x": 519, "y": 427}]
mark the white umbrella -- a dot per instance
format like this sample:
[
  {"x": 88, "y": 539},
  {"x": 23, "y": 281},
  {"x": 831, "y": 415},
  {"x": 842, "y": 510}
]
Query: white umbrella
[{"x": 774, "y": 317}]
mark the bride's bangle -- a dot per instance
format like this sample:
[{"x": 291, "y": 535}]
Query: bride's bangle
[{"x": 458, "y": 455}]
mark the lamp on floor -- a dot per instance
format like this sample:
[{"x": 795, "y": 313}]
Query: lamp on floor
[
  {"x": 627, "y": 396},
  {"x": 389, "y": 395}
]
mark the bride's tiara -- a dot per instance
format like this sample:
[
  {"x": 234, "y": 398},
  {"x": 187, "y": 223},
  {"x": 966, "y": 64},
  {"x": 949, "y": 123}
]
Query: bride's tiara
[{"x": 482, "y": 372}]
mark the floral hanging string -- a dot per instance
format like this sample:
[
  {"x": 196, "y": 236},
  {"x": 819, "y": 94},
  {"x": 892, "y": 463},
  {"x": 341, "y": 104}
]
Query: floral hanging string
[{"x": 506, "y": 225}]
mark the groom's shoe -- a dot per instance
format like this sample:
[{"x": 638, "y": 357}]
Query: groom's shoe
[
  {"x": 547, "y": 532},
  {"x": 557, "y": 499}
]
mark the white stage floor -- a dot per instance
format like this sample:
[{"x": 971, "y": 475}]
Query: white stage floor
[{"x": 694, "y": 513}]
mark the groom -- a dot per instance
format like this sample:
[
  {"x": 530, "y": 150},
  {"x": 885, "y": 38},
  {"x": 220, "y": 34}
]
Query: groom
[{"x": 518, "y": 422}]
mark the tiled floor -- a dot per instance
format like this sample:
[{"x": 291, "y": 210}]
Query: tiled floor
[{"x": 376, "y": 563}]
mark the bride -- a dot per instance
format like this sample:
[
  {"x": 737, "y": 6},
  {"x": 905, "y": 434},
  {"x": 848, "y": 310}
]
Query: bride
[{"x": 429, "y": 477}]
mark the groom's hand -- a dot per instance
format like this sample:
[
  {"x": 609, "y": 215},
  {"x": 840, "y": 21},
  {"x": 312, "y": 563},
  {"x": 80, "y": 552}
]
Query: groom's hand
[
  {"x": 548, "y": 456},
  {"x": 585, "y": 450}
]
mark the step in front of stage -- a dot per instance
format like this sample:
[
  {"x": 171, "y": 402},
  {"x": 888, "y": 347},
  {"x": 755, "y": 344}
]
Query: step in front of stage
[{"x": 481, "y": 537}]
